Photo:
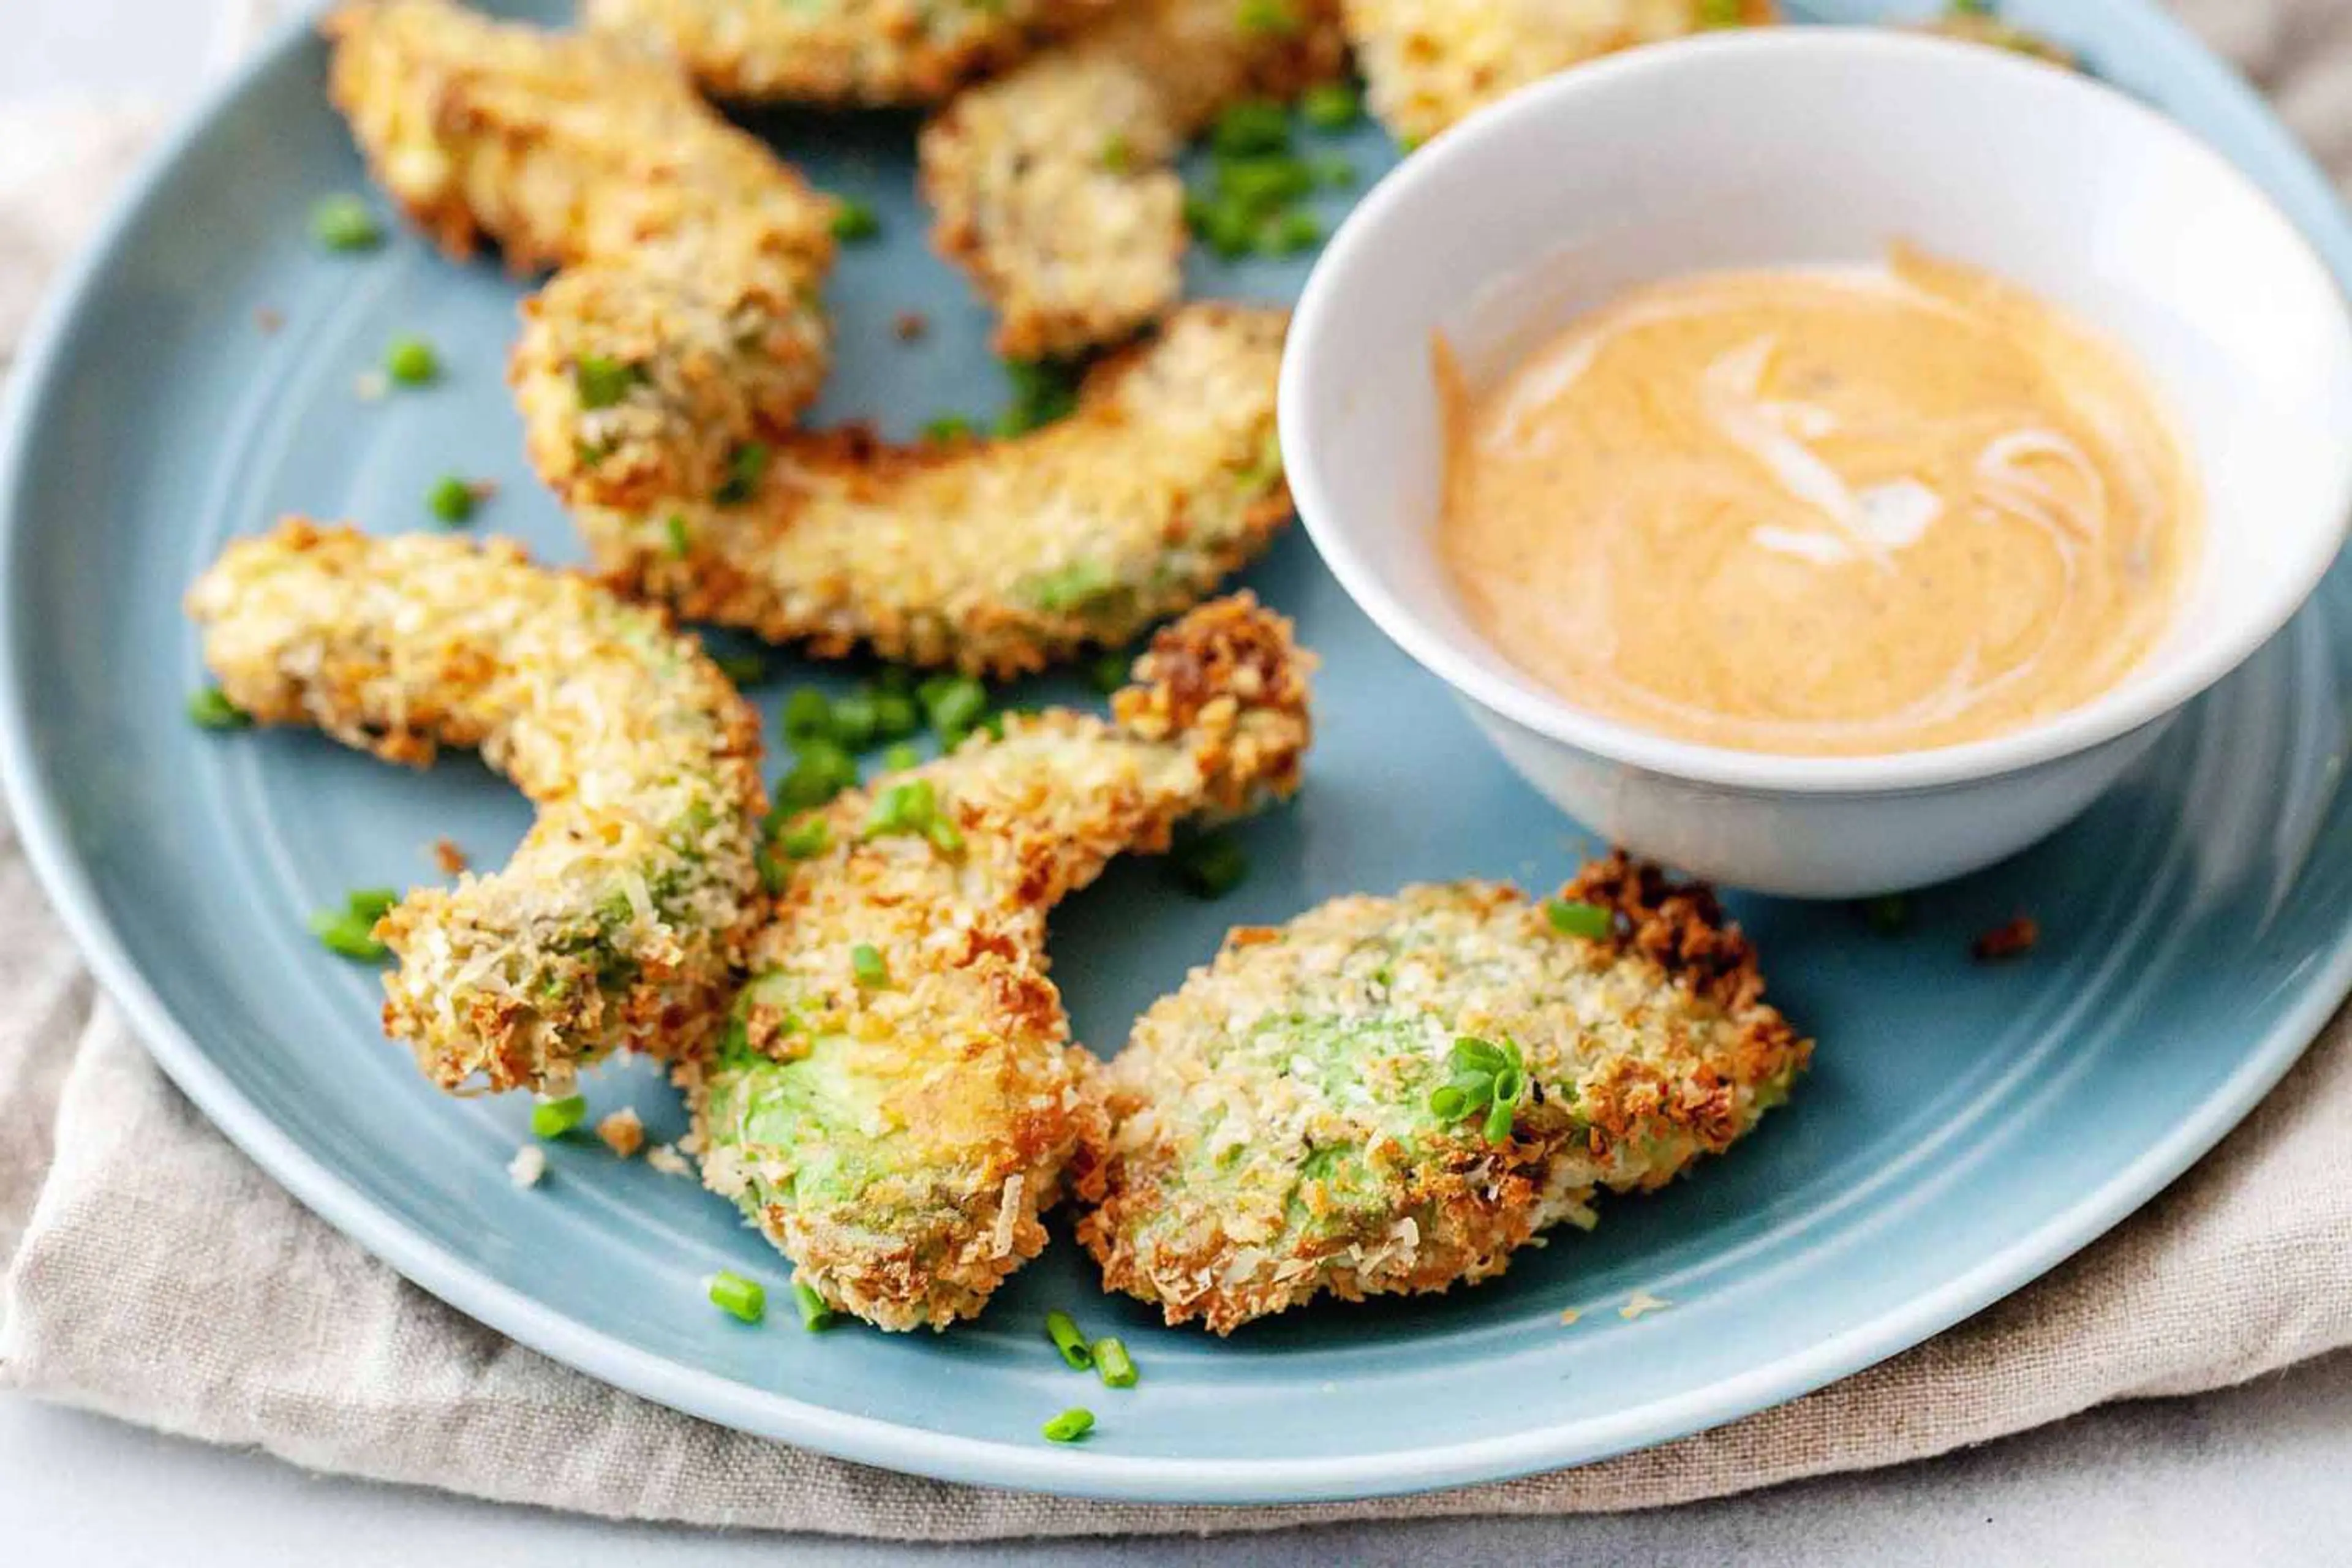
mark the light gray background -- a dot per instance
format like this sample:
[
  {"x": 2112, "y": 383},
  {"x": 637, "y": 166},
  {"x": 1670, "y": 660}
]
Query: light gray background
[{"x": 2262, "y": 1472}]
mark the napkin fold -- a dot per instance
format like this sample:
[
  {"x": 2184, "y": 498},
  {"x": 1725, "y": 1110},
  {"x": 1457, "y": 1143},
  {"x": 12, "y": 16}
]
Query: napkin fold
[{"x": 149, "y": 1272}]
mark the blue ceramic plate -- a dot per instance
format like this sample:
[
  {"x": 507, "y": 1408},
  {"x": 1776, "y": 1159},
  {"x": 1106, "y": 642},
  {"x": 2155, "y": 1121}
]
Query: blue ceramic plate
[{"x": 1966, "y": 1127}]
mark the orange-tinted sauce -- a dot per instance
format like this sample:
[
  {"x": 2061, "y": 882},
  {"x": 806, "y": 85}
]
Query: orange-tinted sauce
[{"x": 1821, "y": 511}]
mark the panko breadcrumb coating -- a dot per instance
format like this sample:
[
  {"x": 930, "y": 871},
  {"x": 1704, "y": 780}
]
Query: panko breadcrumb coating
[
  {"x": 839, "y": 51},
  {"x": 1272, "y": 1133},
  {"x": 621, "y": 920},
  {"x": 686, "y": 322},
  {"x": 1427, "y": 63},
  {"x": 1051, "y": 183},
  {"x": 998, "y": 557},
  {"x": 897, "y": 1132}
]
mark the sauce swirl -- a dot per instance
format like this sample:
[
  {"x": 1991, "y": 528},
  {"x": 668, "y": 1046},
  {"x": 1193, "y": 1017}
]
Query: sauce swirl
[{"x": 1820, "y": 512}]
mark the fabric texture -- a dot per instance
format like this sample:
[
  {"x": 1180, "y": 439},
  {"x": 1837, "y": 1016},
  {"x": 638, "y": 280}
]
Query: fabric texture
[{"x": 148, "y": 1270}]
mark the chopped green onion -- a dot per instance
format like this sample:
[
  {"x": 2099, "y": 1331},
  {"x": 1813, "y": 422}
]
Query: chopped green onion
[
  {"x": 1478, "y": 1055},
  {"x": 773, "y": 876},
  {"x": 807, "y": 714},
  {"x": 854, "y": 721},
  {"x": 1333, "y": 173},
  {"x": 896, "y": 717},
  {"x": 1043, "y": 391},
  {"x": 1209, "y": 866},
  {"x": 909, "y": 807},
  {"x": 1887, "y": 914},
  {"x": 900, "y": 757},
  {"x": 1268, "y": 19},
  {"x": 371, "y": 903},
  {"x": 1263, "y": 185},
  {"x": 451, "y": 500},
  {"x": 1109, "y": 672},
  {"x": 806, "y": 839},
  {"x": 210, "y": 708},
  {"x": 1232, "y": 229},
  {"x": 820, "y": 770},
  {"x": 814, "y": 1313},
  {"x": 855, "y": 219},
  {"x": 600, "y": 381},
  {"x": 866, "y": 962},
  {"x": 554, "y": 1118},
  {"x": 953, "y": 703},
  {"x": 1498, "y": 1121},
  {"x": 948, "y": 428},
  {"x": 1063, "y": 1330},
  {"x": 742, "y": 668},
  {"x": 1571, "y": 919},
  {"x": 1117, "y": 153},
  {"x": 1112, "y": 1362},
  {"x": 342, "y": 222},
  {"x": 681, "y": 538},
  {"x": 1331, "y": 105},
  {"x": 746, "y": 466},
  {"x": 1725, "y": 13},
  {"x": 1070, "y": 1425},
  {"x": 1251, "y": 126},
  {"x": 1490, "y": 1081},
  {"x": 411, "y": 362},
  {"x": 1449, "y": 1104},
  {"x": 1073, "y": 588},
  {"x": 1290, "y": 233},
  {"x": 737, "y": 1296}
]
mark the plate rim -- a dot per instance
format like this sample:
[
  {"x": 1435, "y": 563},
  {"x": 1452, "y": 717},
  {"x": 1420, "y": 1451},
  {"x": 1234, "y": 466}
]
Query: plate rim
[{"x": 1066, "y": 1471}]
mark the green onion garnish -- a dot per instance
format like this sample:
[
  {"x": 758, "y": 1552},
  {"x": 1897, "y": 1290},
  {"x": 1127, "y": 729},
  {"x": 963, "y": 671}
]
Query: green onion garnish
[
  {"x": 342, "y": 222},
  {"x": 821, "y": 770},
  {"x": 681, "y": 538},
  {"x": 773, "y": 876},
  {"x": 554, "y": 1118},
  {"x": 866, "y": 962},
  {"x": 350, "y": 931},
  {"x": 737, "y": 1296},
  {"x": 1263, "y": 185},
  {"x": 814, "y": 1313},
  {"x": 1269, "y": 18},
  {"x": 1331, "y": 105},
  {"x": 948, "y": 428},
  {"x": 1288, "y": 234},
  {"x": 1109, "y": 672},
  {"x": 602, "y": 381},
  {"x": 746, "y": 466},
  {"x": 1333, "y": 173},
  {"x": 1588, "y": 921},
  {"x": 1070, "y": 1425},
  {"x": 451, "y": 500},
  {"x": 742, "y": 668},
  {"x": 1112, "y": 1362},
  {"x": 1117, "y": 153},
  {"x": 806, "y": 839},
  {"x": 807, "y": 714},
  {"x": 1251, "y": 126},
  {"x": 411, "y": 362},
  {"x": 1063, "y": 1330},
  {"x": 1725, "y": 13},
  {"x": 896, "y": 716},
  {"x": 1490, "y": 1083},
  {"x": 1209, "y": 866},
  {"x": 953, "y": 703},
  {"x": 855, "y": 219},
  {"x": 210, "y": 708},
  {"x": 1043, "y": 391},
  {"x": 855, "y": 721},
  {"x": 900, "y": 757}
]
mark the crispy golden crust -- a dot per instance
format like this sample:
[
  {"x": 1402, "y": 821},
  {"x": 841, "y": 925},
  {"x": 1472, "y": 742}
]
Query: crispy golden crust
[
  {"x": 1427, "y": 63},
  {"x": 621, "y": 920},
  {"x": 899, "y": 1136},
  {"x": 687, "y": 322},
  {"x": 839, "y": 51},
  {"x": 1052, "y": 183},
  {"x": 999, "y": 557},
  {"x": 1273, "y": 1132}
]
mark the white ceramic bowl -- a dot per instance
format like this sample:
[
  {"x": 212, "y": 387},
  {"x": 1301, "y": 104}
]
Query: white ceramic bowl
[{"x": 1806, "y": 145}]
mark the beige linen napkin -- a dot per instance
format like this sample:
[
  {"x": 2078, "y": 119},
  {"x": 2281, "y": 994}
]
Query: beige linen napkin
[{"x": 149, "y": 1272}]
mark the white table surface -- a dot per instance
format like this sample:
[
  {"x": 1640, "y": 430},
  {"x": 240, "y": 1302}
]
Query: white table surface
[{"x": 2261, "y": 1472}]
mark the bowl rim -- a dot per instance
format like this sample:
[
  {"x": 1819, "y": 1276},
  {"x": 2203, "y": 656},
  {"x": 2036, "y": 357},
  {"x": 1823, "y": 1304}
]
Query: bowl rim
[{"x": 2135, "y": 701}]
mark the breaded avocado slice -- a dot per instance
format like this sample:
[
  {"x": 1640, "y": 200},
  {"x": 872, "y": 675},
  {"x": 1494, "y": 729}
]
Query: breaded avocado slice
[
  {"x": 623, "y": 918},
  {"x": 898, "y": 1098},
  {"x": 1392, "y": 1094}
]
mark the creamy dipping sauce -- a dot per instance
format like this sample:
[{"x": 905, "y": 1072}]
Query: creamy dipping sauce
[{"x": 1829, "y": 511}]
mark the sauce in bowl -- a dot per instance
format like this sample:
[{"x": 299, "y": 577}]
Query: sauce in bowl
[{"x": 1821, "y": 511}]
